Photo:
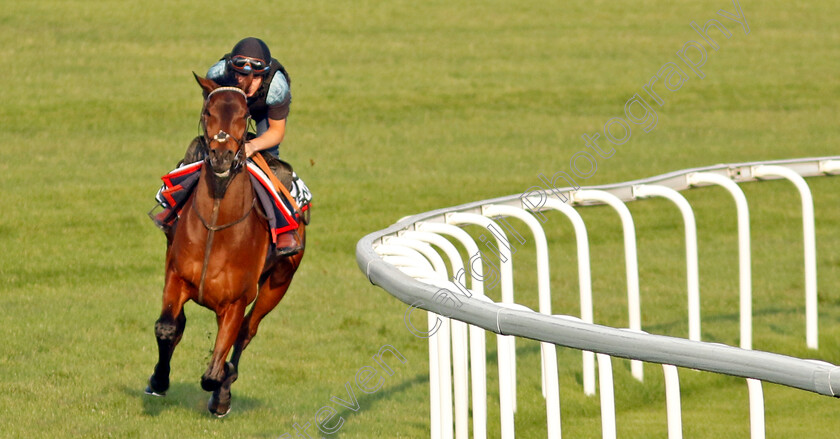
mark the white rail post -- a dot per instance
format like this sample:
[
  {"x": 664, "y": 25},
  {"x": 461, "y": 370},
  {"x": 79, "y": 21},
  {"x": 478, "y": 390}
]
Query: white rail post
[
  {"x": 460, "y": 368},
  {"x": 424, "y": 249},
  {"x": 408, "y": 265},
  {"x": 443, "y": 357},
  {"x": 630, "y": 259},
  {"x": 543, "y": 277},
  {"x": 443, "y": 369},
  {"x": 552, "y": 390},
  {"x": 412, "y": 257},
  {"x": 435, "y": 382},
  {"x": 756, "y": 409},
  {"x": 436, "y": 407},
  {"x": 672, "y": 398},
  {"x": 692, "y": 276},
  {"x": 507, "y": 346},
  {"x": 744, "y": 261},
  {"x": 478, "y": 357},
  {"x": 507, "y": 399},
  {"x": 606, "y": 388},
  {"x": 408, "y": 262},
  {"x": 584, "y": 279},
  {"x": 543, "y": 286},
  {"x": 552, "y": 400},
  {"x": 672, "y": 401},
  {"x": 755, "y": 391},
  {"x": 605, "y": 377},
  {"x": 810, "y": 245}
]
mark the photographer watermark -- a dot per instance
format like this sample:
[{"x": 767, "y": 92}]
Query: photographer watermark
[
  {"x": 368, "y": 380},
  {"x": 616, "y": 130},
  {"x": 637, "y": 109}
]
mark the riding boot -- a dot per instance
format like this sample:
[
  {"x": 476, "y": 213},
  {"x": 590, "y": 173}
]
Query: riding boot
[
  {"x": 289, "y": 244},
  {"x": 164, "y": 220}
]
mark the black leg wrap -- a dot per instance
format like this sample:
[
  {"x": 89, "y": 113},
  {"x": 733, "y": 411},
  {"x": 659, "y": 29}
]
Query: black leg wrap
[
  {"x": 166, "y": 330},
  {"x": 210, "y": 384}
]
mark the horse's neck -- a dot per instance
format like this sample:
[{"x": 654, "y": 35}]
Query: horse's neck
[{"x": 238, "y": 197}]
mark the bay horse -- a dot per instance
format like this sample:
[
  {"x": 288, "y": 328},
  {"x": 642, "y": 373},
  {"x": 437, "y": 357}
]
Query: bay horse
[{"x": 217, "y": 255}]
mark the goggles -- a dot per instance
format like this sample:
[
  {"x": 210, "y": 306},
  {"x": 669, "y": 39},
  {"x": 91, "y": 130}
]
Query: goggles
[{"x": 245, "y": 65}]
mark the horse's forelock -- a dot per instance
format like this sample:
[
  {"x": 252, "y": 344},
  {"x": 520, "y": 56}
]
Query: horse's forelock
[{"x": 226, "y": 109}]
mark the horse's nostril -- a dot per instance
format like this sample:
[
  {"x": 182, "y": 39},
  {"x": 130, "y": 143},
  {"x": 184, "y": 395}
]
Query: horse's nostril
[{"x": 221, "y": 155}]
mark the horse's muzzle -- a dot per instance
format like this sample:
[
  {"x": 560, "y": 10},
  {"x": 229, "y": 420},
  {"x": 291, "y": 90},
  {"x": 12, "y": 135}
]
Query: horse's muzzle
[
  {"x": 221, "y": 161},
  {"x": 225, "y": 164}
]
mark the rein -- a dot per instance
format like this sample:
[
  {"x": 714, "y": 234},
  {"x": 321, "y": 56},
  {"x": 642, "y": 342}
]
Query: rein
[
  {"x": 215, "y": 214},
  {"x": 212, "y": 228}
]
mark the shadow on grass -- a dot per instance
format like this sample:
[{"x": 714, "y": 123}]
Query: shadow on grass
[
  {"x": 186, "y": 396},
  {"x": 675, "y": 325},
  {"x": 366, "y": 401}
]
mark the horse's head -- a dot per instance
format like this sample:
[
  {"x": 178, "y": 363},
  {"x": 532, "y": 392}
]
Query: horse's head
[{"x": 225, "y": 122}]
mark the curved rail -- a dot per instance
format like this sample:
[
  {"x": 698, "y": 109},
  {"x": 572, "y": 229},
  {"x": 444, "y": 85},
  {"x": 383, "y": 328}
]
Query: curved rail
[{"x": 818, "y": 377}]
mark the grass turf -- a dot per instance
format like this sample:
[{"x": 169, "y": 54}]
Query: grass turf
[{"x": 399, "y": 107}]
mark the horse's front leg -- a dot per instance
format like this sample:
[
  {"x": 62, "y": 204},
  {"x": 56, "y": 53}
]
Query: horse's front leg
[
  {"x": 221, "y": 374},
  {"x": 229, "y": 320},
  {"x": 168, "y": 331}
]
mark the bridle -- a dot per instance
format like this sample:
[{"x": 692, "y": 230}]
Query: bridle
[{"x": 222, "y": 136}]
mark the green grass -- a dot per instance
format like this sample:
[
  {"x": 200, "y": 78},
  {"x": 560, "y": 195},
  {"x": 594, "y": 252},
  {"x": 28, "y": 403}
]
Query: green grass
[{"x": 399, "y": 107}]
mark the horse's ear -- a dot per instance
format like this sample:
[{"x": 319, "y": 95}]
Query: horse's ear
[{"x": 207, "y": 85}]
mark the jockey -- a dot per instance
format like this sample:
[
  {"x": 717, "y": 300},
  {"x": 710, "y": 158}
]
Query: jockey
[{"x": 250, "y": 67}]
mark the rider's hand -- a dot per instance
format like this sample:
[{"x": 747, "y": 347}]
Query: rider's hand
[{"x": 249, "y": 149}]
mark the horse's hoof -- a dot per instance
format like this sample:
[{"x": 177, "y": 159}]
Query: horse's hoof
[
  {"x": 218, "y": 410},
  {"x": 149, "y": 391},
  {"x": 221, "y": 415}
]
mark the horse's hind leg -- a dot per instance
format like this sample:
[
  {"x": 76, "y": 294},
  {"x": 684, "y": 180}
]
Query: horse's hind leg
[
  {"x": 270, "y": 294},
  {"x": 219, "y": 403},
  {"x": 168, "y": 330}
]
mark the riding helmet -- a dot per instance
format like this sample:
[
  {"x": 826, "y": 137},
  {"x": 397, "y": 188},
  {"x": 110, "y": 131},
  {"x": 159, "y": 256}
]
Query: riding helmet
[{"x": 252, "y": 48}]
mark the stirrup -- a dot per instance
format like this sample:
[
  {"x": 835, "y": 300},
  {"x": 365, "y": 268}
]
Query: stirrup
[
  {"x": 164, "y": 220},
  {"x": 289, "y": 249}
]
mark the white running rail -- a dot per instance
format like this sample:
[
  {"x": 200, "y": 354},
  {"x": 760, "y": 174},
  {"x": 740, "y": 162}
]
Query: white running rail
[{"x": 402, "y": 260}]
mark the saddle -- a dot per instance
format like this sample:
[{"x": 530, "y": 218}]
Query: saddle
[
  {"x": 280, "y": 172},
  {"x": 277, "y": 173}
]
